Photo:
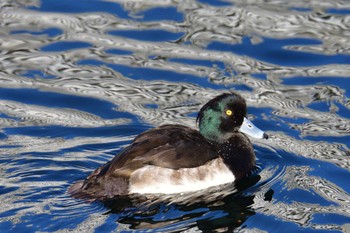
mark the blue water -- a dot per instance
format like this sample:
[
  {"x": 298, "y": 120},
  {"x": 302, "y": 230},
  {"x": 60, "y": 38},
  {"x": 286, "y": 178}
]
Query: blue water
[{"x": 79, "y": 80}]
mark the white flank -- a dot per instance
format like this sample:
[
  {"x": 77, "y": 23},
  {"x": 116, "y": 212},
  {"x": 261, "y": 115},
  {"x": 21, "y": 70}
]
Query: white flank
[{"x": 153, "y": 179}]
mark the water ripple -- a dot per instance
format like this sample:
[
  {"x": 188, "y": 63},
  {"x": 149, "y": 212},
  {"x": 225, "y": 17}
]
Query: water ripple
[
  {"x": 38, "y": 115},
  {"x": 289, "y": 59}
]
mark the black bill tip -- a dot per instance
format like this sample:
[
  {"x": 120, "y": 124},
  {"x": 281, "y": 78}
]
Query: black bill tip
[{"x": 265, "y": 136}]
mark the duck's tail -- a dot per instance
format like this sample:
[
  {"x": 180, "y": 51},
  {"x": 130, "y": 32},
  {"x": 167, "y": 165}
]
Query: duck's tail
[
  {"x": 76, "y": 190},
  {"x": 100, "y": 191}
]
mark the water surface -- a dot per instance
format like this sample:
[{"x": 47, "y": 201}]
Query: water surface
[{"x": 78, "y": 81}]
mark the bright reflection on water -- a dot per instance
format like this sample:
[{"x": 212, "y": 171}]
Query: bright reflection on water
[{"x": 79, "y": 80}]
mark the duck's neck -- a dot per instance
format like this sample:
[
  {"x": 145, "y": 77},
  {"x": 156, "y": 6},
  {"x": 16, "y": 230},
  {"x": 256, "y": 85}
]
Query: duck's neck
[{"x": 238, "y": 154}]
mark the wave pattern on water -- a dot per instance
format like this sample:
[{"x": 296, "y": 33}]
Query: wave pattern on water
[{"x": 76, "y": 87}]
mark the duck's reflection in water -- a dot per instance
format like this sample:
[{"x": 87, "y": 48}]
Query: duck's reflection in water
[{"x": 227, "y": 206}]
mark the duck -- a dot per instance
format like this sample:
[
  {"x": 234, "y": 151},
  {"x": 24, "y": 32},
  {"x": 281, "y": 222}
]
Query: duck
[{"x": 172, "y": 158}]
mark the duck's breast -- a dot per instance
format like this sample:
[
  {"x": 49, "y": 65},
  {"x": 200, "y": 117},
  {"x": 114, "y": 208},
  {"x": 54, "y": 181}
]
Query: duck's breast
[{"x": 154, "y": 179}]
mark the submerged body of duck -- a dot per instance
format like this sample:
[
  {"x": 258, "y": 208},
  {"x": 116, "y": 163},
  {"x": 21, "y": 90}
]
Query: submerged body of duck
[{"x": 176, "y": 158}]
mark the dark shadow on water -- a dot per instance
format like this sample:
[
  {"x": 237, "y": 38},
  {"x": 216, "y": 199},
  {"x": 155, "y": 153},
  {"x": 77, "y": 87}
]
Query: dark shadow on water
[{"x": 218, "y": 209}]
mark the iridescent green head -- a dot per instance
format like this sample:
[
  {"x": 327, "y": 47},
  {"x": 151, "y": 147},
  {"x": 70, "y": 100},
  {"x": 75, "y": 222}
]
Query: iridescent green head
[{"x": 223, "y": 116}]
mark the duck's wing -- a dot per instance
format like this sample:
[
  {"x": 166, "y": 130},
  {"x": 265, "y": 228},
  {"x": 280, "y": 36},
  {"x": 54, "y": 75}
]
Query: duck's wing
[{"x": 168, "y": 146}]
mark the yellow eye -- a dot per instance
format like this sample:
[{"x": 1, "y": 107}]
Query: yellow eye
[{"x": 228, "y": 112}]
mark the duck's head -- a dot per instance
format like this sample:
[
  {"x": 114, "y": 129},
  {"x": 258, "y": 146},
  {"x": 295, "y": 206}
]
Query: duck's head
[{"x": 224, "y": 116}]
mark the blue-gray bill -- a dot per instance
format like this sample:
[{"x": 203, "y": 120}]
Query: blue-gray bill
[{"x": 251, "y": 130}]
